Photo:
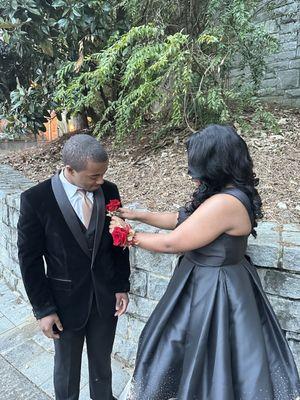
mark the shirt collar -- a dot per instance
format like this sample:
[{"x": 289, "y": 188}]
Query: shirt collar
[{"x": 70, "y": 189}]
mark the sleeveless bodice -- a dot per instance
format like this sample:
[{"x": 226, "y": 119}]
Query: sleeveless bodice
[
  {"x": 226, "y": 249},
  {"x": 214, "y": 333}
]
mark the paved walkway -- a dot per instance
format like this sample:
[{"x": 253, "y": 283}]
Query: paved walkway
[{"x": 26, "y": 355}]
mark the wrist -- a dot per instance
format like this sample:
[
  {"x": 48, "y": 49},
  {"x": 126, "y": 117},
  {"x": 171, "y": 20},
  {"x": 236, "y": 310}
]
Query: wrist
[
  {"x": 135, "y": 239},
  {"x": 137, "y": 215}
]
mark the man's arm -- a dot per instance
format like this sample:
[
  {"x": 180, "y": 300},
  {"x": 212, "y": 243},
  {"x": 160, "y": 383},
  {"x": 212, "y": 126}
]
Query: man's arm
[{"x": 31, "y": 247}]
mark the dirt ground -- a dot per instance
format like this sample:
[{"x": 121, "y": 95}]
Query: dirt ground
[{"x": 157, "y": 178}]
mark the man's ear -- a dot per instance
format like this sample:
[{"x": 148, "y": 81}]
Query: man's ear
[{"x": 69, "y": 169}]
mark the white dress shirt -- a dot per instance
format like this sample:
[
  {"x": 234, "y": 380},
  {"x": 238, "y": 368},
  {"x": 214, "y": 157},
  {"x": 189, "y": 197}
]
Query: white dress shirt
[{"x": 74, "y": 197}]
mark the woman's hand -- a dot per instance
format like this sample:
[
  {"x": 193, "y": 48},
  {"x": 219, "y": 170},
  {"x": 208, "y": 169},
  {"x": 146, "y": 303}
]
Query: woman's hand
[
  {"x": 116, "y": 221},
  {"x": 127, "y": 213}
]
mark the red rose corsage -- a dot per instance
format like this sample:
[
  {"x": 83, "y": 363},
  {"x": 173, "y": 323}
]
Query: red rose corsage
[
  {"x": 123, "y": 236},
  {"x": 112, "y": 207}
]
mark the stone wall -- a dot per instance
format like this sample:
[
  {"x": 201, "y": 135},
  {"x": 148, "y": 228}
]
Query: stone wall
[
  {"x": 281, "y": 83},
  {"x": 12, "y": 183},
  {"x": 276, "y": 253}
]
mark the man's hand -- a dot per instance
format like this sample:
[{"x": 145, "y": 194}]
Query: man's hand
[
  {"x": 122, "y": 301},
  {"x": 46, "y": 325}
]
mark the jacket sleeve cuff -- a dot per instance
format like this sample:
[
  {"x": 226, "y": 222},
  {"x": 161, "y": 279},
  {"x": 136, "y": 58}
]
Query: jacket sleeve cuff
[
  {"x": 122, "y": 288},
  {"x": 43, "y": 312}
]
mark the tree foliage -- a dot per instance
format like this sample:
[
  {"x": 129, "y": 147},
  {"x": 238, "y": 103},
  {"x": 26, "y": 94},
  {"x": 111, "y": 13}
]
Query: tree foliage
[
  {"x": 36, "y": 37},
  {"x": 124, "y": 63}
]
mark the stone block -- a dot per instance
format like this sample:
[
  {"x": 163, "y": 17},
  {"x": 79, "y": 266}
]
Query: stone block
[
  {"x": 124, "y": 351},
  {"x": 15, "y": 308},
  {"x": 122, "y": 326},
  {"x": 39, "y": 369},
  {"x": 138, "y": 282},
  {"x": 288, "y": 313},
  {"x": 12, "y": 251},
  {"x": 5, "y": 324},
  {"x": 135, "y": 328},
  {"x": 5, "y": 215},
  {"x": 265, "y": 250},
  {"x": 14, "y": 268},
  {"x": 157, "y": 286},
  {"x": 132, "y": 252},
  {"x": 120, "y": 377},
  {"x": 295, "y": 348},
  {"x": 20, "y": 356},
  {"x": 269, "y": 75},
  {"x": 291, "y": 249},
  {"x": 294, "y": 227},
  {"x": 267, "y": 92},
  {"x": 293, "y": 335},
  {"x": 269, "y": 83},
  {"x": 294, "y": 94},
  {"x": 15, "y": 337},
  {"x": 13, "y": 200},
  {"x": 13, "y": 237},
  {"x": 9, "y": 278},
  {"x": 3, "y": 288},
  {"x": 283, "y": 56},
  {"x": 4, "y": 254},
  {"x": 48, "y": 388},
  {"x": 6, "y": 297},
  {"x": 288, "y": 45},
  {"x": 13, "y": 217},
  {"x": 284, "y": 284},
  {"x": 85, "y": 392},
  {"x": 141, "y": 307},
  {"x": 286, "y": 10},
  {"x": 288, "y": 79},
  {"x": 286, "y": 37},
  {"x": 235, "y": 72},
  {"x": 20, "y": 315},
  {"x": 21, "y": 290},
  {"x": 273, "y": 65},
  {"x": 15, "y": 386},
  {"x": 271, "y": 26},
  {"x": 43, "y": 341},
  {"x": 154, "y": 262}
]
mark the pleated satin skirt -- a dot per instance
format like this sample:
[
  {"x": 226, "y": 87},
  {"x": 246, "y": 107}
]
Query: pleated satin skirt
[{"x": 214, "y": 336}]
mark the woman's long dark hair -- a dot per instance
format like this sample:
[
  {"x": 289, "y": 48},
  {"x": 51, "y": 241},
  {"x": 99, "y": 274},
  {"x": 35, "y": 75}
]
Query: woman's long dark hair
[{"x": 218, "y": 157}]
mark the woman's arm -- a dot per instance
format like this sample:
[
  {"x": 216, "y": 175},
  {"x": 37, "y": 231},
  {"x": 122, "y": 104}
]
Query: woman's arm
[
  {"x": 163, "y": 220},
  {"x": 220, "y": 213}
]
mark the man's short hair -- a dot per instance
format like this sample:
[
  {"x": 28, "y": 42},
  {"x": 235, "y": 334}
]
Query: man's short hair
[{"x": 80, "y": 149}]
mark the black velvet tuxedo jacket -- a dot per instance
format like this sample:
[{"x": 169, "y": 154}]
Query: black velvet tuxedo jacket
[{"x": 76, "y": 269}]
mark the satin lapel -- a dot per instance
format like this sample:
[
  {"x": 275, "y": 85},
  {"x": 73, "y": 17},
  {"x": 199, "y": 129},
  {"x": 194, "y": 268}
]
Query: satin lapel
[
  {"x": 100, "y": 219},
  {"x": 68, "y": 213}
]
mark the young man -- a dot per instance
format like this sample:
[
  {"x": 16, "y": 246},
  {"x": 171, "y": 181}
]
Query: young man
[{"x": 83, "y": 289}]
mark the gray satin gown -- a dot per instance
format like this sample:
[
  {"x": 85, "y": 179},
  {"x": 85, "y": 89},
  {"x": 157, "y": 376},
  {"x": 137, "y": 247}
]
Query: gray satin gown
[{"x": 214, "y": 335}]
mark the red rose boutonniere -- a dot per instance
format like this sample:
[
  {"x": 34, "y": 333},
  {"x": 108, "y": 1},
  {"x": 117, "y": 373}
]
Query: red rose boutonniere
[{"x": 112, "y": 207}]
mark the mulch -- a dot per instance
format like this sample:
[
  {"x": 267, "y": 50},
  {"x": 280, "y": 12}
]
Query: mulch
[{"x": 155, "y": 176}]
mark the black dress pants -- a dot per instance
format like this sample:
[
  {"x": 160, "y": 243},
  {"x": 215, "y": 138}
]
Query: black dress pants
[{"x": 99, "y": 334}]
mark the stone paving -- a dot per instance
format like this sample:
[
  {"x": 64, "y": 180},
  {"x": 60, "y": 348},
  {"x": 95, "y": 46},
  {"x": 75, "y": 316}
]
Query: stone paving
[{"x": 26, "y": 355}]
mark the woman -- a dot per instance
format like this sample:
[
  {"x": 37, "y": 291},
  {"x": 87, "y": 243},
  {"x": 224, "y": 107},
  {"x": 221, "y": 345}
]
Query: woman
[{"x": 213, "y": 335}]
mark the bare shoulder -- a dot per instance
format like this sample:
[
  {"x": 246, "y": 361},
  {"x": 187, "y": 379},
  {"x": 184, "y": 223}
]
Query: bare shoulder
[
  {"x": 222, "y": 202},
  {"x": 226, "y": 211}
]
